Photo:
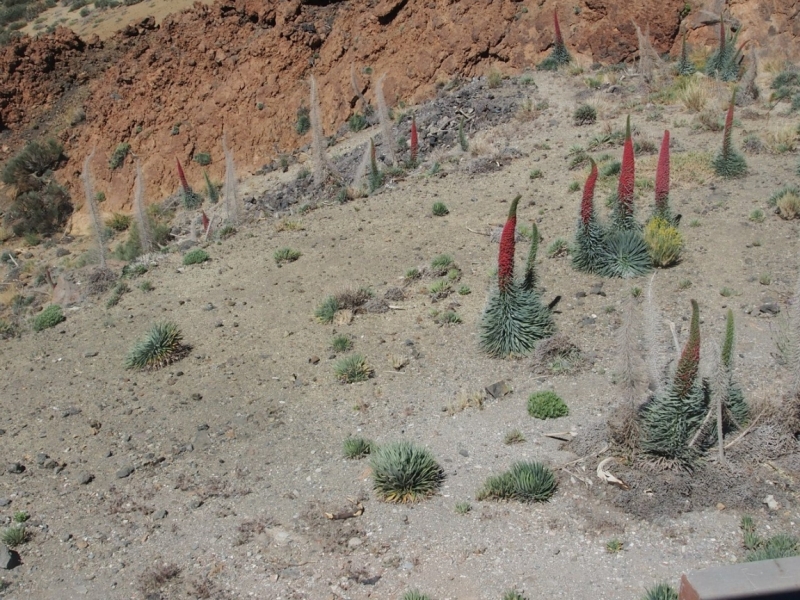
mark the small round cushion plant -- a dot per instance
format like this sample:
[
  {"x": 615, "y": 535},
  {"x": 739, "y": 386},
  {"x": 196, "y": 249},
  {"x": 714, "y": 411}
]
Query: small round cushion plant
[{"x": 514, "y": 318}]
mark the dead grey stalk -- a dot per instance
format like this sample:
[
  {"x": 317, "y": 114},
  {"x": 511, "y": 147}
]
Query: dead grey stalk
[
  {"x": 229, "y": 187},
  {"x": 86, "y": 178},
  {"x": 145, "y": 239},
  {"x": 385, "y": 121}
]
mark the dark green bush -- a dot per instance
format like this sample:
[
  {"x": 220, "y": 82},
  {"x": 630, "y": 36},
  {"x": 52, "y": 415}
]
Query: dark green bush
[
  {"x": 195, "y": 257},
  {"x": 546, "y": 405},
  {"x": 42, "y": 211},
  {"x": 25, "y": 168},
  {"x": 118, "y": 157},
  {"x": 202, "y": 158},
  {"x": 49, "y": 317}
]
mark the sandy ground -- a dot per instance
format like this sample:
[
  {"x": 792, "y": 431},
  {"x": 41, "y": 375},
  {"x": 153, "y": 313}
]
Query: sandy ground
[
  {"x": 106, "y": 22},
  {"x": 236, "y": 449}
]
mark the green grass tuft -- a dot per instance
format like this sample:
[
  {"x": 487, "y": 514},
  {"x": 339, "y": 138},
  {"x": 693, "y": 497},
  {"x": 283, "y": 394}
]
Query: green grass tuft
[
  {"x": 441, "y": 264},
  {"x": 463, "y": 507},
  {"x": 404, "y": 472},
  {"x": 663, "y": 591},
  {"x": 513, "y": 595},
  {"x": 195, "y": 257},
  {"x": 546, "y": 405},
  {"x": 415, "y": 595},
  {"x": 14, "y": 536},
  {"x": 341, "y": 343},
  {"x": 49, "y": 317},
  {"x": 524, "y": 482},
  {"x": 353, "y": 369},
  {"x": 357, "y": 447},
  {"x": 286, "y": 255},
  {"x": 513, "y": 437},
  {"x": 327, "y": 309},
  {"x": 440, "y": 209},
  {"x": 162, "y": 345}
]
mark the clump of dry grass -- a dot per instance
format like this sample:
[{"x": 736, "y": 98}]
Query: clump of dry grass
[
  {"x": 695, "y": 95},
  {"x": 154, "y": 578},
  {"x": 782, "y": 139}
]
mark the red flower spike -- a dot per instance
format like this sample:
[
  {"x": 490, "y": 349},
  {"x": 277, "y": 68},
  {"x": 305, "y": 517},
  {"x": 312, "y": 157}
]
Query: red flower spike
[
  {"x": 559, "y": 40},
  {"x": 662, "y": 173},
  {"x": 626, "y": 174},
  {"x": 721, "y": 36},
  {"x": 414, "y": 139},
  {"x": 206, "y": 222},
  {"x": 505, "y": 261},
  {"x": 182, "y": 176},
  {"x": 587, "y": 205},
  {"x": 689, "y": 363}
]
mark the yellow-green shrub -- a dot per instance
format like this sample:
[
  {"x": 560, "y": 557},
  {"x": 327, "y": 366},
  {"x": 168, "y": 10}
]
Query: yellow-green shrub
[{"x": 664, "y": 242}]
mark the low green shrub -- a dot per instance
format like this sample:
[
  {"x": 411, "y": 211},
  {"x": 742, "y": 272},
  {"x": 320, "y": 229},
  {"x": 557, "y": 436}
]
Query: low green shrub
[
  {"x": 546, "y": 405},
  {"x": 49, "y": 317}
]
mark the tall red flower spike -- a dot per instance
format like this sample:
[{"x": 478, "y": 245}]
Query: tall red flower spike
[
  {"x": 689, "y": 363},
  {"x": 587, "y": 205},
  {"x": 414, "y": 139},
  {"x": 626, "y": 174},
  {"x": 559, "y": 40},
  {"x": 721, "y": 36},
  {"x": 505, "y": 261},
  {"x": 206, "y": 222},
  {"x": 662, "y": 173},
  {"x": 182, "y": 176}
]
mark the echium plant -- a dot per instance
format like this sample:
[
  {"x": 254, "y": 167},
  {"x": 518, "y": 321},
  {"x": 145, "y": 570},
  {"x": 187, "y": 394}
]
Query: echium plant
[
  {"x": 725, "y": 62},
  {"x": 622, "y": 217},
  {"x": 514, "y": 318},
  {"x": 729, "y": 163},
  {"x": 589, "y": 251},
  {"x": 559, "y": 55},
  {"x": 671, "y": 419},
  {"x": 414, "y": 146},
  {"x": 191, "y": 199},
  {"x": 685, "y": 66},
  {"x": 662, "y": 208},
  {"x": 737, "y": 412}
]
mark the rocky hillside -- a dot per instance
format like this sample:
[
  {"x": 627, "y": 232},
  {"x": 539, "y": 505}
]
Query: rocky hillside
[{"x": 242, "y": 66}]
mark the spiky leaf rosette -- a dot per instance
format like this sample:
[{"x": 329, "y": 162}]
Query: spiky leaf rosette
[
  {"x": 531, "y": 278},
  {"x": 505, "y": 259},
  {"x": 685, "y": 66},
  {"x": 513, "y": 321},
  {"x": 414, "y": 139},
  {"x": 404, "y": 472},
  {"x": 559, "y": 55},
  {"x": 162, "y": 346},
  {"x": 622, "y": 216},
  {"x": 626, "y": 255},
  {"x": 672, "y": 418},
  {"x": 662, "y": 208},
  {"x": 729, "y": 163},
  {"x": 524, "y": 482},
  {"x": 589, "y": 253}
]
